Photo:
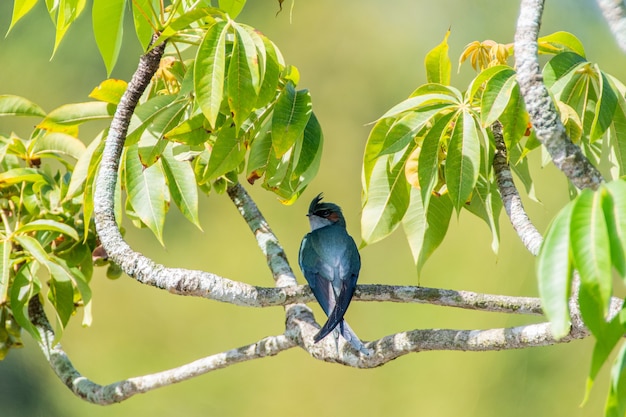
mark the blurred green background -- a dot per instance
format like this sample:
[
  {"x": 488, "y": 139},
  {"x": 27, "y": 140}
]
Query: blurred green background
[{"x": 357, "y": 59}]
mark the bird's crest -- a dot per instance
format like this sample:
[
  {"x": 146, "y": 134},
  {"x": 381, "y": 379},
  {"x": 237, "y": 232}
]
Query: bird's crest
[{"x": 315, "y": 202}]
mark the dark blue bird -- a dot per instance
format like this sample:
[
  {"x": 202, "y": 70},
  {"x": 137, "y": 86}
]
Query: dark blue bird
[{"x": 330, "y": 261}]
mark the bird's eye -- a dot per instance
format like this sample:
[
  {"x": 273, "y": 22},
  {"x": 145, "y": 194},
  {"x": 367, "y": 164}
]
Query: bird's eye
[{"x": 323, "y": 213}]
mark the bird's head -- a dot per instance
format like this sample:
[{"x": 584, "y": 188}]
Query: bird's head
[{"x": 324, "y": 214}]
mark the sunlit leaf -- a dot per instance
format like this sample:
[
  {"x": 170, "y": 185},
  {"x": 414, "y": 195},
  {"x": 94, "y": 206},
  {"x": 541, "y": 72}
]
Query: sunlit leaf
[
  {"x": 146, "y": 192},
  {"x": 498, "y": 93},
  {"x": 70, "y": 114},
  {"x": 20, "y": 9},
  {"x": 616, "y": 401},
  {"x": 47, "y": 225},
  {"x": 79, "y": 174},
  {"x": 437, "y": 221},
  {"x": 181, "y": 182},
  {"x": 560, "y": 42},
  {"x": 437, "y": 63},
  {"x": 554, "y": 273},
  {"x": 291, "y": 115},
  {"x": 243, "y": 76},
  {"x": 19, "y": 106},
  {"x": 463, "y": 160},
  {"x": 108, "y": 25},
  {"x": 209, "y": 71},
  {"x": 58, "y": 144},
  {"x": 226, "y": 155},
  {"x": 109, "y": 91}
]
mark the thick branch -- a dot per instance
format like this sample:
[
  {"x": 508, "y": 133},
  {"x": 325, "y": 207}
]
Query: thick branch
[
  {"x": 122, "y": 390},
  {"x": 531, "y": 238},
  {"x": 545, "y": 120},
  {"x": 614, "y": 12}
]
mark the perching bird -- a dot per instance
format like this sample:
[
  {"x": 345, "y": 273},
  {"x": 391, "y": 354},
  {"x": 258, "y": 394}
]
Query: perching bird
[{"x": 330, "y": 261}]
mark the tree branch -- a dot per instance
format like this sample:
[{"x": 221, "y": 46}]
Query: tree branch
[
  {"x": 527, "y": 232},
  {"x": 124, "y": 389},
  {"x": 614, "y": 12},
  {"x": 548, "y": 127}
]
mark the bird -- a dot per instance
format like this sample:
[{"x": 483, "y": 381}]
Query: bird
[{"x": 330, "y": 262}]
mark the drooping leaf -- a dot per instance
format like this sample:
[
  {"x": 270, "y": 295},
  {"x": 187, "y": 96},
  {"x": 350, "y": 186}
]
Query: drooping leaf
[
  {"x": 142, "y": 17},
  {"x": 604, "y": 108},
  {"x": 387, "y": 198},
  {"x": 515, "y": 120},
  {"x": 616, "y": 401},
  {"x": 498, "y": 93},
  {"x": 589, "y": 242},
  {"x": 463, "y": 160},
  {"x": 209, "y": 71},
  {"x": 243, "y": 76},
  {"x": 615, "y": 215},
  {"x": 554, "y": 273},
  {"x": 108, "y": 25},
  {"x": 76, "y": 113},
  {"x": 437, "y": 221},
  {"x": 59, "y": 144},
  {"x": 291, "y": 115},
  {"x": 146, "y": 190},
  {"x": 20, "y": 9},
  {"x": 226, "y": 155},
  {"x": 79, "y": 174},
  {"x": 487, "y": 205},
  {"x": 181, "y": 182}
]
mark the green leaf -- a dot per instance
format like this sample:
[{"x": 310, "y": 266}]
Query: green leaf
[
  {"x": 92, "y": 170},
  {"x": 617, "y": 137},
  {"x": 463, "y": 160},
  {"x": 46, "y": 224},
  {"x": 590, "y": 248},
  {"x": 260, "y": 154},
  {"x": 72, "y": 114},
  {"x": 66, "y": 13},
  {"x": 554, "y": 273},
  {"x": 187, "y": 19},
  {"x": 616, "y": 401},
  {"x": 559, "y": 42},
  {"x": 61, "y": 292},
  {"x": 143, "y": 27},
  {"x": 181, "y": 182},
  {"x": 414, "y": 223},
  {"x": 192, "y": 131},
  {"x": 20, "y": 9},
  {"x": 437, "y": 220},
  {"x": 17, "y": 175},
  {"x": 109, "y": 91},
  {"x": 270, "y": 73},
  {"x": 108, "y": 27},
  {"x": 59, "y": 144},
  {"x": 145, "y": 114},
  {"x": 291, "y": 115},
  {"x": 403, "y": 130},
  {"x": 19, "y": 106},
  {"x": 146, "y": 192},
  {"x": 373, "y": 147},
  {"x": 209, "y": 71},
  {"x": 226, "y": 155},
  {"x": 487, "y": 206},
  {"x": 387, "y": 198},
  {"x": 243, "y": 76},
  {"x": 79, "y": 174},
  {"x": 232, "y": 7},
  {"x": 498, "y": 93},
  {"x": 5, "y": 271},
  {"x": 428, "y": 162},
  {"x": 615, "y": 214},
  {"x": 601, "y": 351},
  {"x": 560, "y": 65},
  {"x": 483, "y": 77},
  {"x": 25, "y": 286},
  {"x": 437, "y": 62},
  {"x": 604, "y": 108},
  {"x": 514, "y": 120},
  {"x": 419, "y": 101}
]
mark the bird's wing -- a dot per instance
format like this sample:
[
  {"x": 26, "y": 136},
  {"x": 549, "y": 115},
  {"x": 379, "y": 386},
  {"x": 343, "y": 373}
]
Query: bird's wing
[
  {"x": 315, "y": 272},
  {"x": 341, "y": 255}
]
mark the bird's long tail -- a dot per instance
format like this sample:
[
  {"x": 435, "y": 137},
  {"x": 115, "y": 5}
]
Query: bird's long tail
[{"x": 346, "y": 331}]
